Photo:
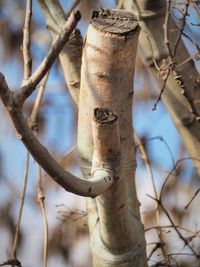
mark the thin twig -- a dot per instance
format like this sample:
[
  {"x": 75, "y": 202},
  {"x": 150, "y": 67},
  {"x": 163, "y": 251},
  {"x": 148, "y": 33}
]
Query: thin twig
[
  {"x": 160, "y": 203},
  {"x": 162, "y": 90},
  {"x": 169, "y": 66},
  {"x": 166, "y": 28},
  {"x": 173, "y": 258},
  {"x": 187, "y": 60},
  {"x": 70, "y": 214},
  {"x": 161, "y": 70},
  {"x": 147, "y": 163},
  {"x": 27, "y": 42},
  {"x": 195, "y": 194},
  {"x": 41, "y": 202},
  {"x": 181, "y": 29},
  {"x": 190, "y": 39},
  {"x": 157, "y": 209},
  {"x": 186, "y": 242},
  {"x": 27, "y": 73},
  {"x": 40, "y": 191},
  {"x": 171, "y": 172},
  {"x": 172, "y": 54},
  {"x": 171, "y": 226},
  {"x": 33, "y": 117},
  {"x": 27, "y": 89},
  {"x": 154, "y": 249},
  {"x": 23, "y": 192},
  {"x": 160, "y": 138}
]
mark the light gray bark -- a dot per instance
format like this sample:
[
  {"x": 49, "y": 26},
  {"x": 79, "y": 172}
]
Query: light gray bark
[
  {"x": 107, "y": 81},
  {"x": 70, "y": 57}
]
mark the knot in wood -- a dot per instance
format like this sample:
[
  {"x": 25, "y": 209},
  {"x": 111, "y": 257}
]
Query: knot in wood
[{"x": 104, "y": 116}]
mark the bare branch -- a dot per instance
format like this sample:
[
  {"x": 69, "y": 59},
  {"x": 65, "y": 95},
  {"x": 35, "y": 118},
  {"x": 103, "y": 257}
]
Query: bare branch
[
  {"x": 96, "y": 186},
  {"x": 27, "y": 42},
  {"x": 195, "y": 194},
  {"x": 23, "y": 192},
  {"x": 154, "y": 249},
  {"x": 166, "y": 69},
  {"x": 41, "y": 202},
  {"x": 170, "y": 173},
  {"x": 162, "y": 89},
  {"x": 171, "y": 226},
  {"x": 166, "y": 28},
  {"x": 40, "y": 192},
  {"x": 157, "y": 209},
  {"x": 181, "y": 28},
  {"x": 28, "y": 88},
  {"x": 186, "y": 242},
  {"x": 187, "y": 59},
  {"x": 161, "y": 139},
  {"x": 33, "y": 117}
]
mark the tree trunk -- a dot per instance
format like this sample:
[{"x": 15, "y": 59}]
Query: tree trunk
[
  {"x": 70, "y": 56},
  {"x": 117, "y": 235}
]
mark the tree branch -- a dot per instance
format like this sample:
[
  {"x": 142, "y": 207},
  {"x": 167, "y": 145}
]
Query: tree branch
[
  {"x": 27, "y": 41},
  {"x": 41, "y": 202},
  {"x": 157, "y": 209},
  {"x": 28, "y": 88},
  {"x": 112, "y": 205},
  {"x": 32, "y": 120},
  {"x": 95, "y": 186},
  {"x": 23, "y": 193},
  {"x": 70, "y": 57}
]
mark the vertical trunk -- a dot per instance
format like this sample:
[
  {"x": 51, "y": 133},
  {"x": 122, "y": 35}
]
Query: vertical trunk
[
  {"x": 70, "y": 56},
  {"x": 117, "y": 235}
]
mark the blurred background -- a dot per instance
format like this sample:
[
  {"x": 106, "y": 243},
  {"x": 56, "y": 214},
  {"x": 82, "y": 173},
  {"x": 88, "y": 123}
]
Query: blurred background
[{"x": 66, "y": 214}]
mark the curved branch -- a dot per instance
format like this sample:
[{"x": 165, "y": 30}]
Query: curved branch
[{"x": 98, "y": 184}]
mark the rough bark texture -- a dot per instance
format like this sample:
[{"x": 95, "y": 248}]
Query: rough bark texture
[
  {"x": 107, "y": 81},
  {"x": 181, "y": 93}
]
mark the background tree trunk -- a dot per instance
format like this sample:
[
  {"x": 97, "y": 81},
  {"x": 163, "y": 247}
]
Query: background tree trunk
[{"x": 181, "y": 95}]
